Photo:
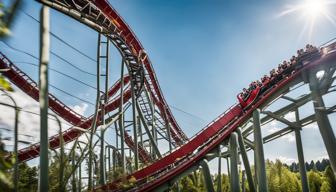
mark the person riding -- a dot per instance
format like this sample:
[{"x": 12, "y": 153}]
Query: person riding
[{"x": 245, "y": 94}]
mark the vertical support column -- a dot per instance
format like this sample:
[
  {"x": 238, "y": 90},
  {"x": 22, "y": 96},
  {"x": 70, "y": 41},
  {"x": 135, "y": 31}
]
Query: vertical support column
[
  {"x": 95, "y": 117},
  {"x": 121, "y": 119},
  {"x": 80, "y": 177},
  {"x": 243, "y": 181},
  {"x": 114, "y": 163},
  {"x": 73, "y": 164},
  {"x": 302, "y": 167},
  {"x": 259, "y": 152},
  {"x": 207, "y": 176},
  {"x": 228, "y": 167},
  {"x": 102, "y": 154},
  {"x": 135, "y": 128},
  {"x": 109, "y": 164},
  {"x": 234, "y": 179},
  {"x": 219, "y": 179},
  {"x": 245, "y": 161},
  {"x": 168, "y": 130},
  {"x": 140, "y": 135},
  {"x": 154, "y": 134},
  {"x": 324, "y": 126},
  {"x": 102, "y": 171},
  {"x": 43, "y": 87}
]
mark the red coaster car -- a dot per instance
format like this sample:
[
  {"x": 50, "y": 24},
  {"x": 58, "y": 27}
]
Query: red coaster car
[{"x": 250, "y": 99}]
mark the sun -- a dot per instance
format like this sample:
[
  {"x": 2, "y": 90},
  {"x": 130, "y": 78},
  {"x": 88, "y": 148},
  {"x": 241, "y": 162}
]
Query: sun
[
  {"x": 311, "y": 11},
  {"x": 314, "y": 8}
]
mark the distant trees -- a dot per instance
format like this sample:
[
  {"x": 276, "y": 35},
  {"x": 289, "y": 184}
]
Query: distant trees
[
  {"x": 319, "y": 165},
  {"x": 280, "y": 178}
]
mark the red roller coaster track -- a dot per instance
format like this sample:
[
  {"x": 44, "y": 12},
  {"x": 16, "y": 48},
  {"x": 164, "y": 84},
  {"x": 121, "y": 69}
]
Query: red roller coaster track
[
  {"x": 211, "y": 136},
  {"x": 26, "y": 84},
  {"x": 185, "y": 156}
]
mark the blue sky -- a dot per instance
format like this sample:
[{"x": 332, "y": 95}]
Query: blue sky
[{"x": 203, "y": 52}]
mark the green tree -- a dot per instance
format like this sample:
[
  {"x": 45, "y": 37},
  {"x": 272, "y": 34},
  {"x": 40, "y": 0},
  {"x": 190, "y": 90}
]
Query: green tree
[
  {"x": 7, "y": 15},
  {"x": 27, "y": 178},
  {"x": 5, "y": 165},
  {"x": 329, "y": 181},
  {"x": 315, "y": 181},
  {"x": 280, "y": 178}
]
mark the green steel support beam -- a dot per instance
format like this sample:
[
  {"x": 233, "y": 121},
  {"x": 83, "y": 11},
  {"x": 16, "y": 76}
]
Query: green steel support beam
[
  {"x": 207, "y": 176},
  {"x": 94, "y": 122},
  {"x": 302, "y": 167},
  {"x": 245, "y": 161},
  {"x": 325, "y": 127},
  {"x": 219, "y": 180},
  {"x": 121, "y": 119},
  {"x": 259, "y": 153},
  {"x": 234, "y": 179},
  {"x": 135, "y": 128},
  {"x": 43, "y": 87}
]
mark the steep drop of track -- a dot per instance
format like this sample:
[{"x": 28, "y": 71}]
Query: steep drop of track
[{"x": 190, "y": 154}]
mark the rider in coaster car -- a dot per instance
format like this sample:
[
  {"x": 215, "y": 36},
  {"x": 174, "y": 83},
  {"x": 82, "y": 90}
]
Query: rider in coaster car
[
  {"x": 252, "y": 86},
  {"x": 292, "y": 61},
  {"x": 311, "y": 48},
  {"x": 265, "y": 80},
  {"x": 245, "y": 94},
  {"x": 286, "y": 68},
  {"x": 273, "y": 74},
  {"x": 279, "y": 71}
]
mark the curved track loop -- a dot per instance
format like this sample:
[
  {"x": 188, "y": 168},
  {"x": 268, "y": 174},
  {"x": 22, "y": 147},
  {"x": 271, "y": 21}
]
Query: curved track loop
[
  {"x": 26, "y": 84},
  {"x": 190, "y": 154},
  {"x": 100, "y": 16}
]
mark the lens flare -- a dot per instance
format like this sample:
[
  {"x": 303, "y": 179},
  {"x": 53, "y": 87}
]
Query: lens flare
[
  {"x": 314, "y": 8},
  {"x": 311, "y": 11}
]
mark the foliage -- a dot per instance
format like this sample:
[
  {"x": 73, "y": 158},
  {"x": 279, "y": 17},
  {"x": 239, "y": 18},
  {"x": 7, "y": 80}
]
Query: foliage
[
  {"x": 329, "y": 183},
  {"x": 54, "y": 171},
  {"x": 4, "y": 84},
  {"x": 7, "y": 15},
  {"x": 315, "y": 181},
  {"x": 5, "y": 165},
  {"x": 279, "y": 178},
  {"x": 27, "y": 178}
]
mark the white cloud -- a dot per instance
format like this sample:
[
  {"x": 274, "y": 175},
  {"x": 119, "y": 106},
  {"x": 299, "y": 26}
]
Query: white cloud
[
  {"x": 290, "y": 116},
  {"x": 80, "y": 109},
  {"x": 29, "y": 119},
  {"x": 289, "y": 137},
  {"x": 274, "y": 126},
  {"x": 286, "y": 160},
  {"x": 311, "y": 126}
]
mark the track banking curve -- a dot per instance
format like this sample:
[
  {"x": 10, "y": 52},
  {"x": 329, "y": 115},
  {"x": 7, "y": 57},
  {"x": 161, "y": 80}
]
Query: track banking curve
[
  {"x": 191, "y": 153},
  {"x": 30, "y": 87},
  {"x": 26, "y": 84},
  {"x": 102, "y": 17}
]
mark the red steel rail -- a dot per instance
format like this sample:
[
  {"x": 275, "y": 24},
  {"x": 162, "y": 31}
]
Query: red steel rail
[
  {"x": 130, "y": 38},
  {"x": 208, "y": 138},
  {"x": 29, "y": 86}
]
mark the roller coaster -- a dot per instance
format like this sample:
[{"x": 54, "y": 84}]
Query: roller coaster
[{"x": 139, "y": 90}]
